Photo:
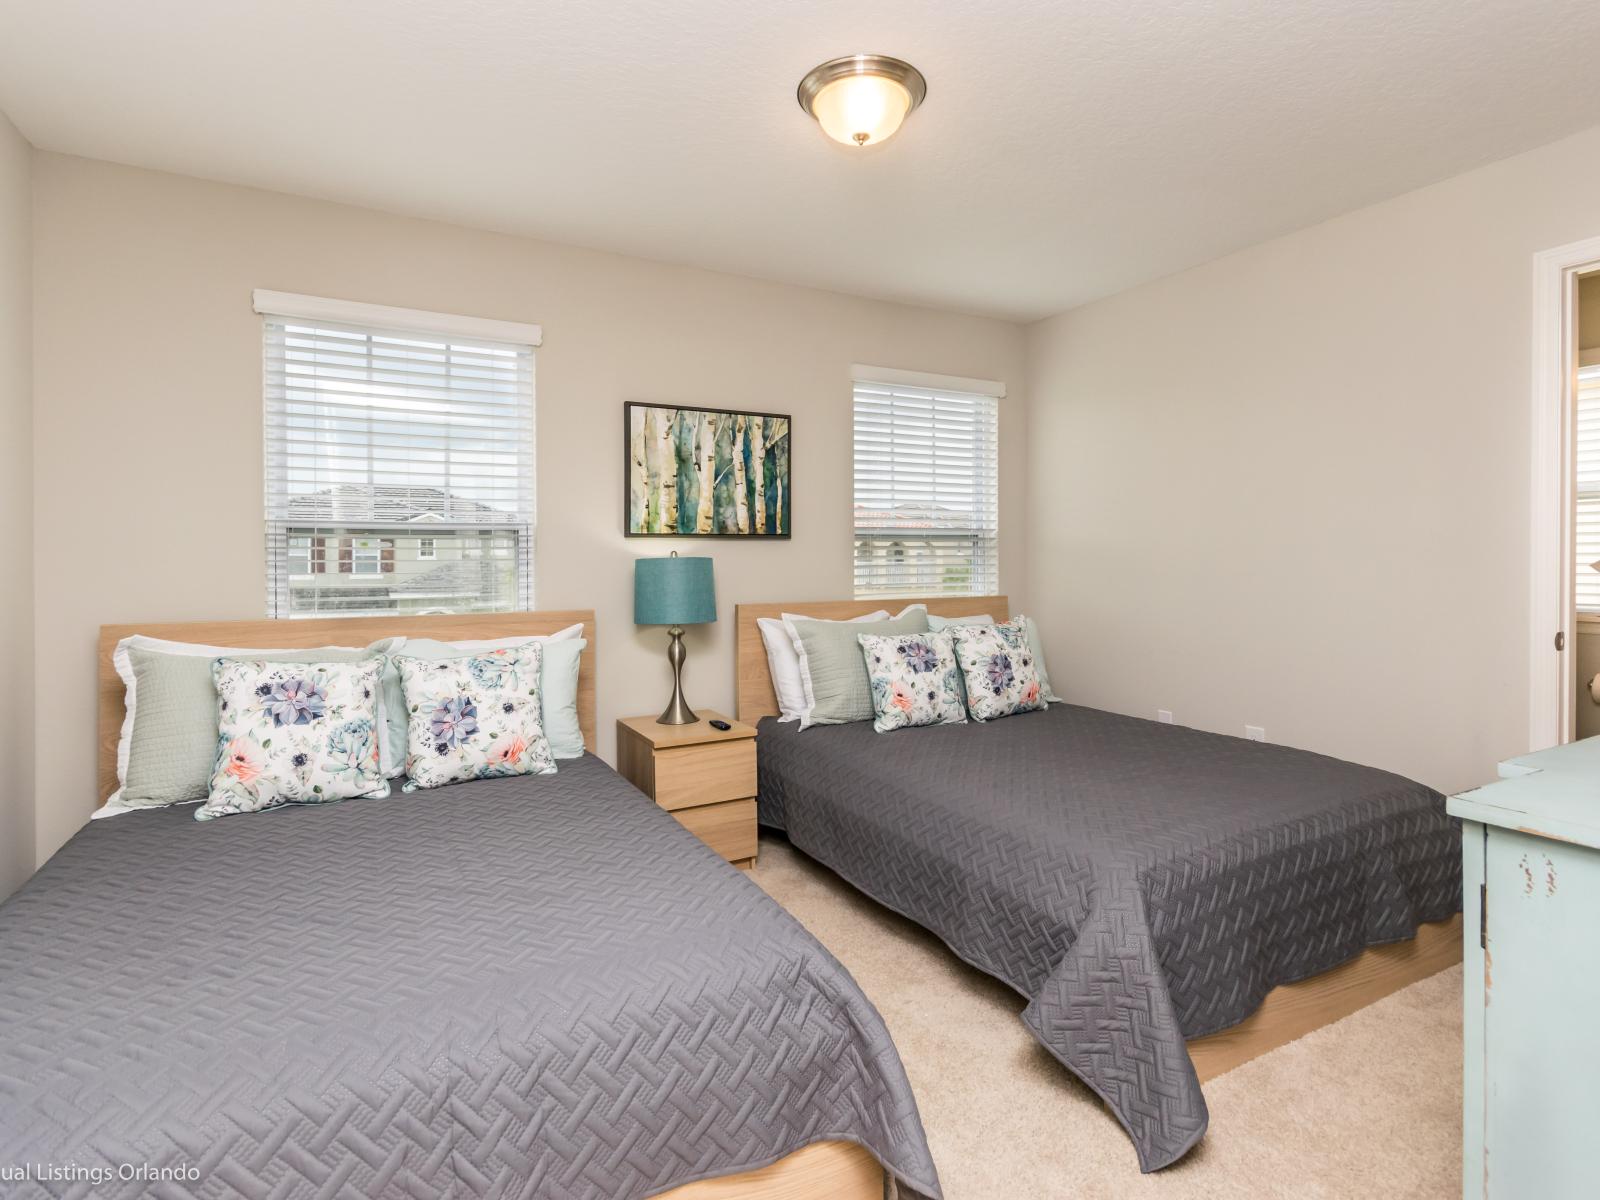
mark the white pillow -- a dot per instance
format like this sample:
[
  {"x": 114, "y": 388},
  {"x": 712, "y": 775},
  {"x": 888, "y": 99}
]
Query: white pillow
[
  {"x": 509, "y": 643},
  {"x": 783, "y": 663},
  {"x": 808, "y": 699},
  {"x": 123, "y": 665},
  {"x": 935, "y": 624}
]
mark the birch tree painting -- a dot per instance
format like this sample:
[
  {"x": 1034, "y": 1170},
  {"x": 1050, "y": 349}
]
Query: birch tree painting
[{"x": 706, "y": 472}]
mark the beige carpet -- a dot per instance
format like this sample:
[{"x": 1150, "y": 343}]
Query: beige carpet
[{"x": 1368, "y": 1106}]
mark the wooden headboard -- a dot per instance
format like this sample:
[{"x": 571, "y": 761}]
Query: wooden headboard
[
  {"x": 332, "y": 631},
  {"x": 753, "y": 694}
]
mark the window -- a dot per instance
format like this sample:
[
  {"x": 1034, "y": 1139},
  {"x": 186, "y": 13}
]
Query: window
[
  {"x": 368, "y": 558},
  {"x": 1587, "y": 526},
  {"x": 299, "y": 556},
  {"x": 926, "y": 486},
  {"x": 382, "y": 422}
]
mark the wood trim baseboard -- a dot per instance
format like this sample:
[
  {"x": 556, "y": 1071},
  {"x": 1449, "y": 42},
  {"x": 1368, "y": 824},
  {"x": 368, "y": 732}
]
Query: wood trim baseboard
[
  {"x": 1295, "y": 1009},
  {"x": 332, "y": 631},
  {"x": 754, "y": 697},
  {"x": 820, "y": 1171}
]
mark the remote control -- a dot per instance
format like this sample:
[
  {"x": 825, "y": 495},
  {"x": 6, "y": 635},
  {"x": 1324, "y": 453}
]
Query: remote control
[{"x": 720, "y": 725}]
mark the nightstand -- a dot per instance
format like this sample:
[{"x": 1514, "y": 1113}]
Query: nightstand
[{"x": 703, "y": 776}]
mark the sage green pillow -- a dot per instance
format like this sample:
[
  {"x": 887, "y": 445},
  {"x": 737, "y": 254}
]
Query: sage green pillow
[
  {"x": 173, "y": 747},
  {"x": 834, "y": 668}
]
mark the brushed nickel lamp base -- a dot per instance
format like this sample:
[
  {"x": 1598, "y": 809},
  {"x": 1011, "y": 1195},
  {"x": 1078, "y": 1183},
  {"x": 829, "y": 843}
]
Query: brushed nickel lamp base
[{"x": 677, "y": 711}]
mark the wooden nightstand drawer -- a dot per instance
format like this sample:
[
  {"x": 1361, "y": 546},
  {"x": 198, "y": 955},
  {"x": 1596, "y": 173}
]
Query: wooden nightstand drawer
[
  {"x": 728, "y": 828},
  {"x": 697, "y": 775}
]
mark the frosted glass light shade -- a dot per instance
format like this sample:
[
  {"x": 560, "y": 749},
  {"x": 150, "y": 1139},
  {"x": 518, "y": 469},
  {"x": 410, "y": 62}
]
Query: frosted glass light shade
[
  {"x": 862, "y": 99},
  {"x": 861, "y": 110}
]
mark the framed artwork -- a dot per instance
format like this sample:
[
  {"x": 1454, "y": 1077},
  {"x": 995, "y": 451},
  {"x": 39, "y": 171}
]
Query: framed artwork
[{"x": 705, "y": 472}]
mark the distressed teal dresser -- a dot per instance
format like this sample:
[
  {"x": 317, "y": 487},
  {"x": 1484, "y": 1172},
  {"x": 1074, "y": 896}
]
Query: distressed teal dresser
[{"x": 1531, "y": 859}]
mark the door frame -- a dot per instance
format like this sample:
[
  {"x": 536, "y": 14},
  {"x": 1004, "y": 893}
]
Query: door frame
[{"x": 1552, "y": 689}]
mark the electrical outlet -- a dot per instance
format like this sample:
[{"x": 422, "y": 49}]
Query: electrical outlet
[
  {"x": 1255, "y": 733},
  {"x": 1164, "y": 715}
]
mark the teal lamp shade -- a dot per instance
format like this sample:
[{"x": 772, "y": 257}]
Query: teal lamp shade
[{"x": 673, "y": 591}]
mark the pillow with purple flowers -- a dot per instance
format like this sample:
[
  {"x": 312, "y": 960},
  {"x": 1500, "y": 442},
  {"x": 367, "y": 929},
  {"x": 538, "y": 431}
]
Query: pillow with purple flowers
[
  {"x": 914, "y": 678},
  {"x": 998, "y": 670},
  {"x": 474, "y": 717},
  {"x": 294, "y": 733}
]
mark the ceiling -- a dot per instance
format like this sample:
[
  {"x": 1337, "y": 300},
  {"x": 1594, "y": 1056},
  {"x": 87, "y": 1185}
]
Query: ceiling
[{"x": 1067, "y": 149}]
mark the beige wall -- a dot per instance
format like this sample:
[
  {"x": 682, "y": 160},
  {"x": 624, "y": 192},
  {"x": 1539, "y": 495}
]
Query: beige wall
[
  {"x": 16, "y": 509},
  {"x": 148, "y": 385},
  {"x": 1290, "y": 487}
]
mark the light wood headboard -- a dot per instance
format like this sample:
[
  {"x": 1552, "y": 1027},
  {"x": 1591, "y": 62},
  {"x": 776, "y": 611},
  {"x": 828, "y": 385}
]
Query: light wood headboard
[
  {"x": 753, "y": 694},
  {"x": 332, "y": 631}
]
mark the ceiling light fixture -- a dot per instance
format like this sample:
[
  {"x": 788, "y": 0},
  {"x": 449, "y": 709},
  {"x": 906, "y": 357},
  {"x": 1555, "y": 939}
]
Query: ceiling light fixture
[{"x": 861, "y": 99}]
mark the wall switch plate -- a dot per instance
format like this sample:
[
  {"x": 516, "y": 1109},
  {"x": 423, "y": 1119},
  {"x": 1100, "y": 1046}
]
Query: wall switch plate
[
  {"x": 1255, "y": 733},
  {"x": 1164, "y": 715}
]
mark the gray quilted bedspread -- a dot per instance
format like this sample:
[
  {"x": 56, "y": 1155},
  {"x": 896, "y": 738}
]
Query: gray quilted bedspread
[
  {"x": 1137, "y": 883},
  {"x": 535, "y": 987}
]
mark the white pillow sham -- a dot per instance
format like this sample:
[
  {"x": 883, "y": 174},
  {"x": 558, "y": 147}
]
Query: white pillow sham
[
  {"x": 506, "y": 643},
  {"x": 783, "y": 662},
  {"x": 935, "y": 624}
]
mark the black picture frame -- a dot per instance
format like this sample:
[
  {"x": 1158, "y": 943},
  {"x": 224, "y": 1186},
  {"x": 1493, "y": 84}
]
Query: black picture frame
[{"x": 635, "y": 471}]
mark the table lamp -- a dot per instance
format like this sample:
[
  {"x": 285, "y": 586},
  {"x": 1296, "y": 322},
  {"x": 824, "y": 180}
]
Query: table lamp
[{"x": 674, "y": 592}]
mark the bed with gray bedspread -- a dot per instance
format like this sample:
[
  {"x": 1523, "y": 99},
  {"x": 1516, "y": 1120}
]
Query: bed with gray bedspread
[
  {"x": 1137, "y": 883},
  {"x": 525, "y": 987}
]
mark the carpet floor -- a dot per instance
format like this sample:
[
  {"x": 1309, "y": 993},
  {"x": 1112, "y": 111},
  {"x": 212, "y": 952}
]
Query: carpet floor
[{"x": 1367, "y": 1106}]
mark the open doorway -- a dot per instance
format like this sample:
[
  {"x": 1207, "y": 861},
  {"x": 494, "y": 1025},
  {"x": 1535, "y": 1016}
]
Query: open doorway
[
  {"x": 1586, "y": 507},
  {"x": 1561, "y": 580}
]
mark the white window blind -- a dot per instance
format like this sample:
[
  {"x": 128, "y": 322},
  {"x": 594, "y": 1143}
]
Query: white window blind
[
  {"x": 399, "y": 471},
  {"x": 926, "y": 491},
  {"x": 1587, "y": 525}
]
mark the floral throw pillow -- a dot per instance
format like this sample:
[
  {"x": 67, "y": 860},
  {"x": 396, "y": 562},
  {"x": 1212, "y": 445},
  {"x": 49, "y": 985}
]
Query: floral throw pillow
[
  {"x": 294, "y": 733},
  {"x": 914, "y": 680},
  {"x": 476, "y": 717},
  {"x": 998, "y": 670}
]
